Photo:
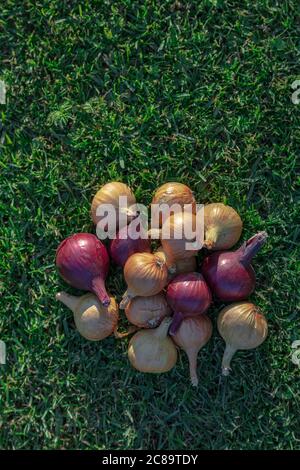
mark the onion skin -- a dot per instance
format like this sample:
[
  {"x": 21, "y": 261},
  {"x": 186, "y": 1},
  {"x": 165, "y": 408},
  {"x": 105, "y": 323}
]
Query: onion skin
[
  {"x": 188, "y": 295},
  {"x": 93, "y": 321},
  {"x": 222, "y": 226},
  {"x": 230, "y": 275},
  {"x": 152, "y": 351},
  {"x": 123, "y": 246},
  {"x": 180, "y": 266},
  {"x": 109, "y": 194},
  {"x": 83, "y": 262},
  {"x": 242, "y": 326},
  {"x": 173, "y": 193},
  {"x": 147, "y": 312},
  {"x": 191, "y": 336},
  {"x": 145, "y": 274}
]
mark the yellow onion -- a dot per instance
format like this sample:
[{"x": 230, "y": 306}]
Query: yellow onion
[
  {"x": 191, "y": 336},
  {"x": 152, "y": 350},
  {"x": 174, "y": 245},
  {"x": 242, "y": 326},
  {"x": 93, "y": 320},
  {"x": 147, "y": 312},
  {"x": 109, "y": 194},
  {"x": 173, "y": 193},
  {"x": 222, "y": 226},
  {"x": 145, "y": 274}
]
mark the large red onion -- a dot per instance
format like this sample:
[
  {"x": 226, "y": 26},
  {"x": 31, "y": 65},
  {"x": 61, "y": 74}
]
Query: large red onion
[
  {"x": 83, "y": 262},
  {"x": 229, "y": 274},
  {"x": 188, "y": 295},
  {"x": 123, "y": 246}
]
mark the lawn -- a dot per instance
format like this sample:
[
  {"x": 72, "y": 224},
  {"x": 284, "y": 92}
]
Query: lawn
[{"x": 145, "y": 92}]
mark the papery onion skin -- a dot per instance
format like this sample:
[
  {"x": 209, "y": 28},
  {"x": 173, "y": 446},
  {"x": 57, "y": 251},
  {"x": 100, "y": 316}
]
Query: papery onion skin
[
  {"x": 222, "y": 226},
  {"x": 242, "y": 326},
  {"x": 83, "y": 262},
  {"x": 93, "y": 321},
  {"x": 109, "y": 194},
  {"x": 147, "y": 312},
  {"x": 152, "y": 351},
  {"x": 188, "y": 295},
  {"x": 191, "y": 336},
  {"x": 180, "y": 266},
  {"x": 145, "y": 274},
  {"x": 123, "y": 246},
  {"x": 175, "y": 246},
  {"x": 230, "y": 275},
  {"x": 173, "y": 193}
]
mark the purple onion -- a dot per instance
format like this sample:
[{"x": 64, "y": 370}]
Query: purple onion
[
  {"x": 123, "y": 246},
  {"x": 188, "y": 295},
  {"x": 229, "y": 274},
  {"x": 83, "y": 262}
]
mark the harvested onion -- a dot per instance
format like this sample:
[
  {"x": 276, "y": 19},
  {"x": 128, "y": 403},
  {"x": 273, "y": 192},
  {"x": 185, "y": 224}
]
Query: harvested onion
[
  {"x": 180, "y": 266},
  {"x": 145, "y": 274},
  {"x": 147, "y": 312},
  {"x": 242, "y": 326},
  {"x": 222, "y": 226},
  {"x": 173, "y": 193},
  {"x": 152, "y": 350},
  {"x": 191, "y": 336},
  {"x": 93, "y": 321},
  {"x": 124, "y": 245},
  {"x": 110, "y": 194}
]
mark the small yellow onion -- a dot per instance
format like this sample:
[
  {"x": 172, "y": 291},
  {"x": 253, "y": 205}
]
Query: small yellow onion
[
  {"x": 222, "y": 226},
  {"x": 180, "y": 266},
  {"x": 173, "y": 238},
  {"x": 145, "y": 274},
  {"x": 152, "y": 350},
  {"x": 191, "y": 336},
  {"x": 147, "y": 312},
  {"x": 242, "y": 326},
  {"x": 109, "y": 194},
  {"x": 93, "y": 321},
  {"x": 173, "y": 193}
]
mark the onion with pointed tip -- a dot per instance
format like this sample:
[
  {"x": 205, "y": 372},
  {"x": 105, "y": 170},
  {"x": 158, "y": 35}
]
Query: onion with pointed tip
[
  {"x": 191, "y": 336},
  {"x": 242, "y": 326},
  {"x": 229, "y": 274},
  {"x": 222, "y": 226},
  {"x": 152, "y": 350},
  {"x": 83, "y": 262}
]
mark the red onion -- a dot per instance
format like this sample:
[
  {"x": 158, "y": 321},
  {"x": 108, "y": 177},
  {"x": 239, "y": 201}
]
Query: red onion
[
  {"x": 229, "y": 274},
  {"x": 123, "y": 246},
  {"x": 83, "y": 262},
  {"x": 188, "y": 295}
]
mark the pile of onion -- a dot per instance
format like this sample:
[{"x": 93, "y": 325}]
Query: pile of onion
[
  {"x": 147, "y": 312},
  {"x": 242, "y": 326},
  {"x": 191, "y": 336},
  {"x": 83, "y": 262},
  {"x": 188, "y": 295},
  {"x": 222, "y": 226},
  {"x": 229, "y": 274},
  {"x": 145, "y": 274},
  {"x": 152, "y": 350}
]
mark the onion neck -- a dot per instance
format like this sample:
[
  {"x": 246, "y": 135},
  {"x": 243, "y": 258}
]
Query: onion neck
[
  {"x": 69, "y": 300},
  {"x": 98, "y": 287},
  {"x": 126, "y": 299},
  {"x": 249, "y": 249},
  {"x": 162, "y": 330},
  {"x": 227, "y": 356},
  {"x": 192, "y": 356},
  {"x": 211, "y": 236},
  {"x": 176, "y": 322}
]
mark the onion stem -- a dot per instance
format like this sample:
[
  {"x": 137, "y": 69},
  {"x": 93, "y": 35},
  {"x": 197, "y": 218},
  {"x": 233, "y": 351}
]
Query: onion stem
[{"x": 227, "y": 356}]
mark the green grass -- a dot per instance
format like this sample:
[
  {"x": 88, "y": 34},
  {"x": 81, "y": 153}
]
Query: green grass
[{"x": 144, "y": 92}]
